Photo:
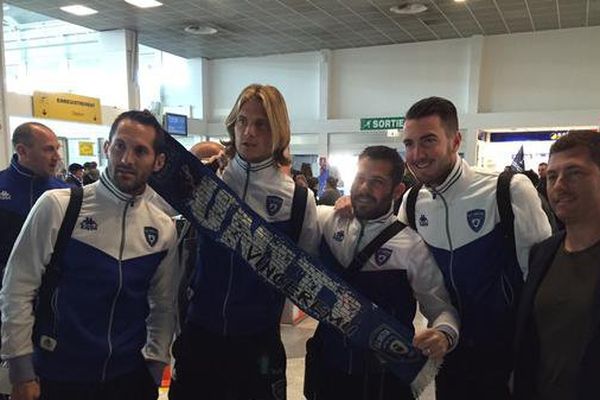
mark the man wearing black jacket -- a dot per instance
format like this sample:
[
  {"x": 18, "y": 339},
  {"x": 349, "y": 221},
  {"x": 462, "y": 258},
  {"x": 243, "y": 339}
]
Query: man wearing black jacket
[{"x": 558, "y": 325}]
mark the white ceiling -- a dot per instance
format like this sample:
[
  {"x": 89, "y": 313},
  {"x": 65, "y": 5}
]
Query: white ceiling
[{"x": 261, "y": 27}]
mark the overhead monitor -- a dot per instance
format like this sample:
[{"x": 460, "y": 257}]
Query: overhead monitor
[{"x": 176, "y": 124}]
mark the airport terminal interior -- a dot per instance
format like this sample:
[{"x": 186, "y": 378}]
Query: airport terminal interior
[{"x": 522, "y": 73}]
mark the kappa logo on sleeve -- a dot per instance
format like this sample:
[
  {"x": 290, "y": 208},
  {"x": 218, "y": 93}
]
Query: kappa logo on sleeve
[
  {"x": 476, "y": 218},
  {"x": 151, "y": 235},
  {"x": 4, "y": 195},
  {"x": 274, "y": 204},
  {"x": 423, "y": 221}
]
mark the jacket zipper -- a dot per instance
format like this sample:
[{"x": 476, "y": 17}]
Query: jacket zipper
[
  {"x": 351, "y": 352},
  {"x": 54, "y": 306},
  {"x": 119, "y": 287},
  {"x": 230, "y": 282},
  {"x": 451, "y": 248}
]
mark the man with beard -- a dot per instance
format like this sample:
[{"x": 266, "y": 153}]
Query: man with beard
[
  {"x": 104, "y": 330},
  {"x": 456, "y": 213},
  {"x": 558, "y": 341},
  {"x": 400, "y": 272}
]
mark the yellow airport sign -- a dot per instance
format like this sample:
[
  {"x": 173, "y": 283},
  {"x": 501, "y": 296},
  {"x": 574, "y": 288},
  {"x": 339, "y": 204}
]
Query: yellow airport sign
[
  {"x": 67, "y": 107},
  {"x": 86, "y": 148}
]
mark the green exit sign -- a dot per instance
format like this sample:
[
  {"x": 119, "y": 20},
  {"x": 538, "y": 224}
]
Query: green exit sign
[{"x": 377, "y": 124}]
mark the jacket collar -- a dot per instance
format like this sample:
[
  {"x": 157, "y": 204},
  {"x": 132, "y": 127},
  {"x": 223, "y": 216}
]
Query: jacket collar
[
  {"x": 239, "y": 162},
  {"x": 457, "y": 180},
  {"x": 107, "y": 187},
  {"x": 20, "y": 169}
]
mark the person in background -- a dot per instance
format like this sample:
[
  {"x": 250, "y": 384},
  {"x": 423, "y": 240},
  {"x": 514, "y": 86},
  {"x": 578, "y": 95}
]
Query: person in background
[
  {"x": 92, "y": 174},
  {"x": 113, "y": 303},
  {"x": 75, "y": 176},
  {"x": 558, "y": 325},
  {"x": 325, "y": 171},
  {"x": 31, "y": 172},
  {"x": 230, "y": 346},
  {"x": 541, "y": 186},
  {"x": 331, "y": 193}
]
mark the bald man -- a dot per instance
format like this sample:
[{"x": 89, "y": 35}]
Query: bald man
[{"x": 31, "y": 173}]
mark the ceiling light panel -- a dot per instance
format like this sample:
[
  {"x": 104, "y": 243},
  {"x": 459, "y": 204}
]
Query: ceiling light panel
[
  {"x": 78, "y": 9},
  {"x": 144, "y": 3}
]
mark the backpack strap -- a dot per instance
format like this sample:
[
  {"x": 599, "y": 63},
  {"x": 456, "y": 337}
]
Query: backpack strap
[
  {"x": 411, "y": 202},
  {"x": 361, "y": 258},
  {"x": 51, "y": 277},
  {"x": 507, "y": 217},
  {"x": 298, "y": 210}
]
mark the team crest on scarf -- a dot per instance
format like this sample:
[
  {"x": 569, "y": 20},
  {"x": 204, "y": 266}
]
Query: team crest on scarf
[
  {"x": 476, "y": 218},
  {"x": 151, "y": 235},
  {"x": 382, "y": 255},
  {"x": 274, "y": 204}
]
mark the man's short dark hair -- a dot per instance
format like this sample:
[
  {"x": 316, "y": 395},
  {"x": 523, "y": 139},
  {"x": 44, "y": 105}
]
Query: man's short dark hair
[
  {"x": 24, "y": 133},
  {"x": 145, "y": 118},
  {"x": 75, "y": 167},
  {"x": 439, "y": 106},
  {"x": 582, "y": 138},
  {"x": 543, "y": 163},
  {"x": 388, "y": 154}
]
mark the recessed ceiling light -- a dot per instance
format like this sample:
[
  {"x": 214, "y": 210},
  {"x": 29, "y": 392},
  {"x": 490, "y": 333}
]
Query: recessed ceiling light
[
  {"x": 459, "y": 1},
  {"x": 200, "y": 30},
  {"x": 409, "y": 8},
  {"x": 144, "y": 3},
  {"x": 78, "y": 9}
]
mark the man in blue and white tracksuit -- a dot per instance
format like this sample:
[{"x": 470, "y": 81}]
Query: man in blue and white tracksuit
[
  {"x": 113, "y": 306},
  {"x": 230, "y": 346},
  {"x": 456, "y": 213},
  {"x": 30, "y": 173},
  {"x": 400, "y": 273}
]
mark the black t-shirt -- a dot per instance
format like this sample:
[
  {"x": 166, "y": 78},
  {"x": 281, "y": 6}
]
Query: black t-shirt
[{"x": 563, "y": 315}]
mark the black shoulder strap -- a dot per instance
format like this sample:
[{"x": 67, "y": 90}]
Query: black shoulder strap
[
  {"x": 361, "y": 258},
  {"x": 51, "y": 277},
  {"x": 507, "y": 217},
  {"x": 66, "y": 228},
  {"x": 298, "y": 209},
  {"x": 411, "y": 202}
]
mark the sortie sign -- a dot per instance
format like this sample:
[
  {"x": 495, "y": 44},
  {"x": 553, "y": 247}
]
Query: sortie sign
[{"x": 377, "y": 124}]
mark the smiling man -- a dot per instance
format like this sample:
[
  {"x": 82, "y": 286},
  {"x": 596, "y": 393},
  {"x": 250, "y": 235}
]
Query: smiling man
[
  {"x": 106, "y": 331},
  {"x": 558, "y": 339},
  {"x": 456, "y": 213},
  {"x": 398, "y": 273}
]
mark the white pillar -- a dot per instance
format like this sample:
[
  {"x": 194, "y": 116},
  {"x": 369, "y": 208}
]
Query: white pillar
[
  {"x": 119, "y": 69},
  {"x": 5, "y": 134},
  {"x": 324, "y": 78}
]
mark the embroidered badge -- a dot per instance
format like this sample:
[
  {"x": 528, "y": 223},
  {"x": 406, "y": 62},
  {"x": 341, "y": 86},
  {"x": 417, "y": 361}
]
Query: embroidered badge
[
  {"x": 4, "y": 195},
  {"x": 338, "y": 236},
  {"x": 89, "y": 224},
  {"x": 476, "y": 218},
  {"x": 151, "y": 235},
  {"x": 274, "y": 204},
  {"x": 382, "y": 255},
  {"x": 423, "y": 221}
]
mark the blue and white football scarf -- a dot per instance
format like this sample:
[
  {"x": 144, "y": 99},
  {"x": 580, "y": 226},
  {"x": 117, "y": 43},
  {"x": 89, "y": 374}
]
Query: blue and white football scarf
[{"x": 213, "y": 208}]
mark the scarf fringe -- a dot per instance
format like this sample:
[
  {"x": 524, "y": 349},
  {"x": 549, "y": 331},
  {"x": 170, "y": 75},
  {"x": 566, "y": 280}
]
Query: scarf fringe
[{"x": 425, "y": 376}]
